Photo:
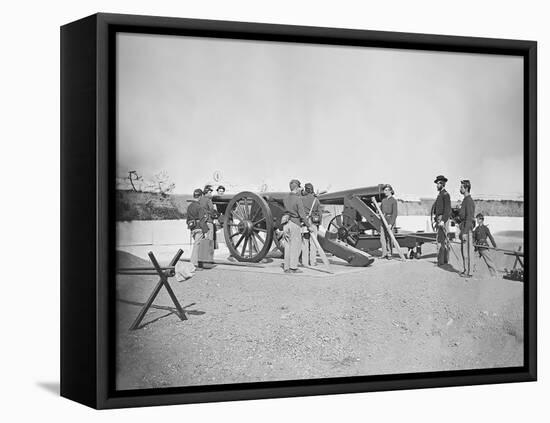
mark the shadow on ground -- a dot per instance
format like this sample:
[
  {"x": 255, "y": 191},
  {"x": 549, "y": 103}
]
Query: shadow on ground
[{"x": 51, "y": 387}]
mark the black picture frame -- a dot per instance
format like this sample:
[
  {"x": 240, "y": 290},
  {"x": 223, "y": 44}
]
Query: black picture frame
[{"x": 87, "y": 209}]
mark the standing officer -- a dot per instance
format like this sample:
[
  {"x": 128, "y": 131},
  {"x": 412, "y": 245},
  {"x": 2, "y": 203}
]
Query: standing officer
[
  {"x": 313, "y": 220},
  {"x": 294, "y": 209},
  {"x": 211, "y": 213},
  {"x": 441, "y": 211},
  {"x": 389, "y": 209},
  {"x": 220, "y": 217},
  {"x": 467, "y": 222},
  {"x": 196, "y": 222}
]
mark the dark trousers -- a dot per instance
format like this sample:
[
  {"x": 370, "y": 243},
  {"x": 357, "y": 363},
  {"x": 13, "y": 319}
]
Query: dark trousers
[
  {"x": 486, "y": 256},
  {"x": 443, "y": 245},
  {"x": 385, "y": 242},
  {"x": 467, "y": 250}
]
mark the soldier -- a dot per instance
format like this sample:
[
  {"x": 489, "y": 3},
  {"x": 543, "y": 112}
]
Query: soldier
[
  {"x": 296, "y": 215},
  {"x": 196, "y": 222},
  {"x": 467, "y": 222},
  {"x": 481, "y": 233},
  {"x": 220, "y": 190},
  {"x": 389, "y": 210},
  {"x": 313, "y": 214},
  {"x": 441, "y": 210},
  {"x": 211, "y": 213}
]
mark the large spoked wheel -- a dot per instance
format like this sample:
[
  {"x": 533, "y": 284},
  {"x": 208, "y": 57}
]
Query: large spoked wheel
[
  {"x": 346, "y": 229},
  {"x": 248, "y": 227}
]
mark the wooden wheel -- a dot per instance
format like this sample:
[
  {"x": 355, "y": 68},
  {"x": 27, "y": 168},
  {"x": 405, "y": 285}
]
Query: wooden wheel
[
  {"x": 248, "y": 227},
  {"x": 347, "y": 229}
]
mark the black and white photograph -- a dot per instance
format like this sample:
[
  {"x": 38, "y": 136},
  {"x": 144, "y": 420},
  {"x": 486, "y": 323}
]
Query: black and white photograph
[
  {"x": 292, "y": 211},
  {"x": 278, "y": 211}
]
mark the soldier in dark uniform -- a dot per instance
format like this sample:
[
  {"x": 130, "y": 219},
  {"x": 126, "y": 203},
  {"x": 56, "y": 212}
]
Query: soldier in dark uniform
[
  {"x": 313, "y": 213},
  {"x": 219, "y": 221},
  {"x": 296, "y": 216},
  {"x": 389, "y": 210},
  {"x": 441, "y": 210},
  {"x": 481, "y": 234},
  {"x": 467, "y": 222},
  {"x": 211, "y": 213},
  {"x": 196, "y": 222}
]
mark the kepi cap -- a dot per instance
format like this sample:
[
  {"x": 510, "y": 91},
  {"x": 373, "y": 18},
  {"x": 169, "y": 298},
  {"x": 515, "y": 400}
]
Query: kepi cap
[{"x": 389, "y": 187}]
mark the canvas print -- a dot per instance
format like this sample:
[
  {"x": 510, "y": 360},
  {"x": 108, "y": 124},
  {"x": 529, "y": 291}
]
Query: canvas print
[{"x": 290, "y": 211}]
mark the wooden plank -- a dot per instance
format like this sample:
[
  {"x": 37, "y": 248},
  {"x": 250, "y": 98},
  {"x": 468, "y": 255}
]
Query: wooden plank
[
  {"x": 506, "y": 252},
  {"x": 142, "y": 268},
  {"x": 320, "y": 269},
  {"x": 163, "y": 281},
  {"x": 229, "y": 263},
  {"x": 321, "y": 251},
  {"x": 316, "y": 241}
]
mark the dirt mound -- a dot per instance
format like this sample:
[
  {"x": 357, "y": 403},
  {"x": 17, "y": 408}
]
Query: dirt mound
[{"x": 131, "y": 205}]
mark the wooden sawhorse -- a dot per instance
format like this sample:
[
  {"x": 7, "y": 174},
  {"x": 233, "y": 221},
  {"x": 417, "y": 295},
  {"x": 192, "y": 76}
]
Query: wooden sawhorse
[
  {"x": 516, "y": 273},
  {"x": 164, "y": 273}
]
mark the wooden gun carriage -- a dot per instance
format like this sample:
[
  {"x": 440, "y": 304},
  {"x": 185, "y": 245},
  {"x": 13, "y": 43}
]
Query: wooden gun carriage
[{"x": 250, "y": 221}]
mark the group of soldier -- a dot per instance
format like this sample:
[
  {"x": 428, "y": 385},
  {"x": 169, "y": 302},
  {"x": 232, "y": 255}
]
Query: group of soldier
[
  {"x": 303, "y": 216},
  {"x": 472, "y": 237},
  {"x": 201, "y": 221},
  {"x": 301, "y": 208},
  {"x": 298, "y": 229},
  {"x": 300, "y": 225}
]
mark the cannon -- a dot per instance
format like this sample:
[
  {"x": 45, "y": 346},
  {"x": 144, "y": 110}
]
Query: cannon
[
  {"x": 250, "y": 221},
  {"x": 359, "y": 225}
]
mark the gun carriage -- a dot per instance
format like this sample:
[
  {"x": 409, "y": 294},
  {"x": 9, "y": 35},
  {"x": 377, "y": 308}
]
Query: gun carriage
[{"x": 250, "y": 221}]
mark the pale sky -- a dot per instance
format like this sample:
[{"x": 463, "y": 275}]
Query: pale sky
[{"x": 339, "y": 117}]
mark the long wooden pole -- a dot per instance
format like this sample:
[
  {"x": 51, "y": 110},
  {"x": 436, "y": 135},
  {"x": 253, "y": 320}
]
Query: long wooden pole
[
  {"x": 319, "y": 269},
  {"x": 448, "y": 242},
  {"x": 511, "y": 252},
  {"x": 392, "y": 236},
  {"x": 321, "y": 251},
  {"x": 238, "y": 264},
  {"x": 316, "y": 241}
]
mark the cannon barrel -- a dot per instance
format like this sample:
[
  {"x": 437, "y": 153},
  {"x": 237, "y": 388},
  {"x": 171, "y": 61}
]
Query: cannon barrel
[{"x": 337, "y": 198}]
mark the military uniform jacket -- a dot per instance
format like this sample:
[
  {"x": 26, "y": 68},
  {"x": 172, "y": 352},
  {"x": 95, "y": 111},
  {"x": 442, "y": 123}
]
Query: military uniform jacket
[
  {"x": 389, "y": 209},
  {"x": 311, "y": 206},
  {"x": 481, "y": 233},
  {"x": 442, "y": 205},
  {"x": 466, "y": 214},
  {"x": 294, "y": 207},
  {"x": 197, "y": 213},
  {"x": 208, "y": 206}
]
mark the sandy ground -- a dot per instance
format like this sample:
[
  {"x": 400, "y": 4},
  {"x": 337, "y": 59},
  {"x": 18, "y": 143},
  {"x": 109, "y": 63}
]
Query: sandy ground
[{"x": 248, "y": 325}]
